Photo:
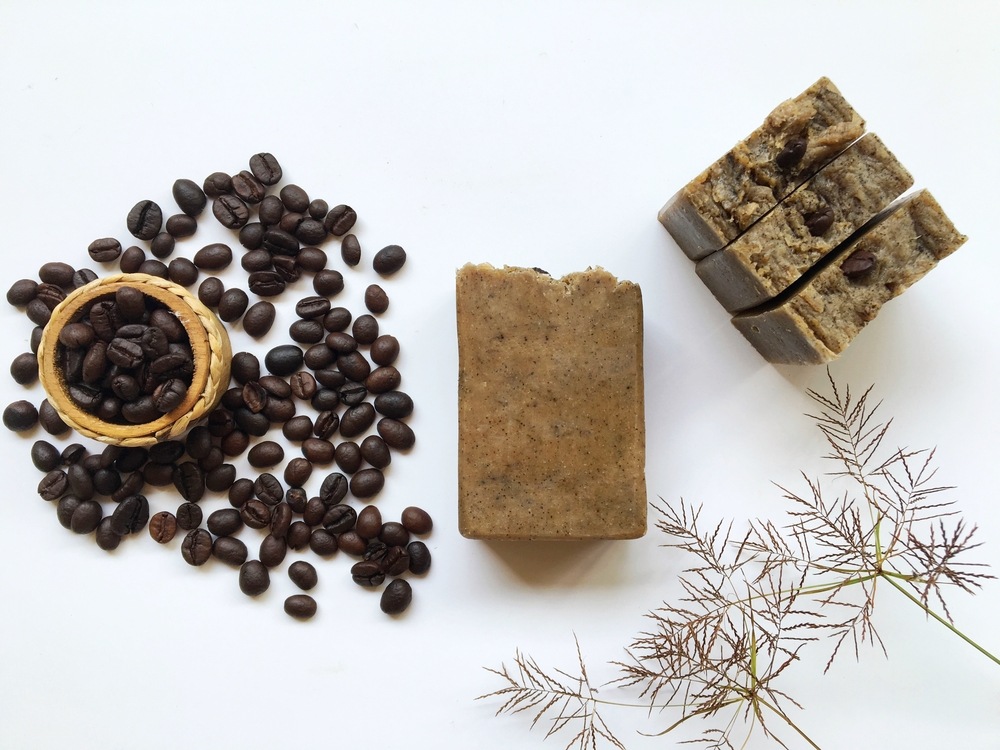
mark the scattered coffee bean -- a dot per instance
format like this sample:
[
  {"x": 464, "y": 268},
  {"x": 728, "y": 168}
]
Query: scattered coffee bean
[
  {"x": 396, "y": 597},
  {"x": 389, "y": 259},
  {"x": 297, "y": 472},
  {"x": 21, "y": 292},
  {"x": 182, "y": 271},
  {"x": 369, "y": 522},
  {"x": 298, "y": 428},
  {"x": 213, "y": 257},
  {"x": 367, "y": 573},
  {"x": 217, "y": 184},
  {"x": 272, "y": 551},
  {"x": 317, "y": 450},
  {"x": 231, "y": 212},
  {"x": 375, "y": 451},
  {"x": 248, "y": 187},
  {"x": 328, "y": 283},
  {"x": 144, "y": 220},
  {"x": 311, "y": 259},
  {"x": 255, "y": 514},
  {"x": 420, "y": 557},
  {"x": 367, "y": 483},
  {"x": 105, "y": 535},
  {"x": 20, "y": 416},
  {"x": 189, "y": 516},
  {"x": 322, "y": 542},
  {"x": 259, "y": 318},
  {"x": 265, "y": 168},
  {"x": 384, "y": 350},
  {"x": 339, "y": 220},
  {"x": 162, "y": 245},
  {"x": 229, "y": 550},
  {"x": 300, "y": 606},
  {"x": 162, "y": 526},
  {"x": 376, "y": 300},
  {"x": 283, "y": 360},
  {"x": 132, "y": 259},
  {"x": 266, "y": 283},
  {"x": 265, "y": 454},
  {"x": 254, "y": 578},
  {"x": 303, "y": 575},
  {"x": 45, "y": 456},
  {"x": 196, "y": 549},
  {"x": 130, "y": 515},
  {"x": 396, "y": 434},
  {"x": 181, "y": 225},
  {"x": 24, "y": 368},
  {"x": 190, "y": 198},
  {"x": 210, "y": 291},
  {"x": 233, "y": 304}
]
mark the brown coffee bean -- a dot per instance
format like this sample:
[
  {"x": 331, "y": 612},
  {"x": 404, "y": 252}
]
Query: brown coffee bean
[
  {"x": 182, "y": 271},
  {"x": 369, "y": 522},
  {"x": 352, "y": 543},
  {"x": 383, "y": 379},
  {"x": 367, "y": 573},
  {"x": 348, "y": 457},
  {"x": 317, "y": 450},
  {"x": 326, "y": 425},
  {"x": 367, "y": 483},
  {"x": 254, "y": 578},
  {"x": 197, "y": 547},
  {"x": 230, "y": 550},
  {"x": 322, "y": 542},
  {"x": 162, "y": 245},
  {"x": 396, "y": 597},
  {"x": 298, "y": 428},
  {"x": 792, "y": 153},
  {"x": 144, "y": 220},
  {"x": 230, "y": 211},
  {"x": 189, "y": 196},
  {"x": 357, "y": 419},
  {"x": 259, "y": 318},
  {"x": 300, "y": 606},
  {"x": 375, "y": 451},
  {"x": 858, "y": 264},
  {"x": 389, "y": 259},
  {"x": 297, "y": 472},
  {"x": 394, "y": 534},
  {"x": 416, "y": 520},
  {"x": 255, "y": 514},
  {"x": 328, "y": 283},
  {"x": 819, "y": 221},
  {"x": 104, "y": 250},
  {"x": 224, "y": 522},
  {"x": 394, "y": 404},
  {"x": 303, "y": 575},
  {"x": 210, "y": 291},
  {"x": 272, "y": 551},
  {"x": 396, "y": 434},
  {"x": 339, "y": 220},
  {"x": 337, "y": 319},
  {"x": 384, "y": 350},
  {"x": 233, "y": 304},
  {"x": 302, "y": 385},
  {"x": 248, "y": 187},
  {"x": 265, "y": 168},
  {"x": 365, "y": 329},
  {"x": 189, "y": 516},
  {"x": 311, "y": 259},
  {"x": 376, "y": 300},
  {"x": 181, "y": 225}
]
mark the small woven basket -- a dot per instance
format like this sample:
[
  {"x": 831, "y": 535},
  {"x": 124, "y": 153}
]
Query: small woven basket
[{"x": 210, "y": 347}]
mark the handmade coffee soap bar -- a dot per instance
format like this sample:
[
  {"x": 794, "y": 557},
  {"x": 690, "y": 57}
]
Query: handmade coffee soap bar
[
  {"x": 796, "y": 139},
  {"x": 551, "y": 430},
  {"x": 763, "y": 261},
  {"x": 817, "y": 323}
]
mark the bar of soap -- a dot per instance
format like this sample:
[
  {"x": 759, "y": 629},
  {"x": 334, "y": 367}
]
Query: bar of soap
[
  {"x": 796, "y": 140},
  {"x": 815, "y": 324},
  {"x": 551, "y": 427},
  {"x": 774, "y": 253}
]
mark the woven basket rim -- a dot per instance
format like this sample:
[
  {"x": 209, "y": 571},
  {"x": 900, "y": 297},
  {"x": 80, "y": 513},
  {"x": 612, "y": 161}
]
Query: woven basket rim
[{"x": 210, "y": 345}]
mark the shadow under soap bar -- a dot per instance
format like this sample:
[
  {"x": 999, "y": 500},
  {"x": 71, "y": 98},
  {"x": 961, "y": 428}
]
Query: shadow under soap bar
[{"x": 551, "y": 434}]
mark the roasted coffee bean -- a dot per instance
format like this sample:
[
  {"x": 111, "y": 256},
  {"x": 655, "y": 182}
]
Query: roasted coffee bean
[
  {"x": 220, "y": 478},
  {"x": 20, "y": 416},
  {"x": 24, "y": 367},
  {"x": 389, "y": 259},
  {"x": 169, "y": 395},
  {"x": 235, "y": 443},
  {"x": 268, "y": 489},
  {"x": 189, "y": 516},
  {"x": 53, "y": 485},
  {"x": 251, "y": 236},
  {"x": 396, "y": 597},
  {"x": 35, "y": 340},
  {"x": 348, "y": 457},
  {"x": 367, "y": 573},
  {"x": 383, "y": 379},
  {"x": 318, "y": 208},
  {"x": 50, "y": 295},
  {"x": 270, "y": 210},
  {"x": 248, "y": 187},
  {"x": 213, "y": 257},
  {"x": 311, "y": 259},
  {"x": 303, "y": 575},
  {"x": 337, "y": 319},
  {"x": 420, "y": 557},
  {"x": 376, "y": 300},
  {"x": 162, "y": 526},
  {"x": 314, "y": 512},
  {"x": 365, "y": 329},
  {"x": 302, "y": 385},
  {"x": 229, "y": 550},
  {"x": 819, "y": 221},
  {"x": 286, "y": 268},
  {"x": 858, "y": 264},
  {"x": 357, "y": 419},
  {"x": 88, "y": 399},
  {"x": 224, "y": 522},
  {"x": 233, "y": 304},
  {"x": 107, "y": 482},
  {"x": 182, "y": 271},
  {"x": 298, "y": 536},
  {"x": 294, "y": 198},
  {"x": 352, "y": 543},
  {"x": 290, "y": 222},
  {"x": 125, "y": 387},
  {"x": 265, "y": 168},
  {"x": 339, "y": 220},
  {"x": 198, "y": 442},
  {"x": 45, "y": 456},
  {"x": 328, "y": 283},
  {"x": 220, "y": 422},
  {"x": 296, "y": 499},
  {"x": 259, "y": 318},
  {"x": 240, "y": 492},
  {"x": 256, "y": 260},
  {"x": 317, "y": 450},
  {"x": 272, "y": 551},
  {"x": 38, "y": 312},
  {"x": 189, "y": 479},
  {"x": 86, "y": 516},
  {"x": 310, "y": 231},
  {"x": 163, "y": 245},
  {"x": 297, "y": 472},
  {"x": 266, "y": 283},
  {"x": 196, "y": 548},
  {"x": 125, "y": 353},
  {"x": 132, "y": 259},
  {"x": 326, "y": 424},
  {"x": 350, "y": 250},
  {"x": 322, "y": 542},
  {"x": 130, "y": 515},
  {"x": 252, "y": 395},
  {"x": 231, "y": 212},
  {"x": 245, "y": 367},
  {"x": 22, "y": 291},
  {"x": 65, "y": 509},
  {"x": 416, "y": 520},
  {"x": 166, "y": 451},
  {"x": 306, "y": 331},
  {"x": 396, "y": 561},
  {"x": 217, "y": 183},
  {"x": 190, "y": 198},
  {"x": 792, "y": 153},
  {"x": 354, "y": 366},
  {"x": 153, "y": 268},
  {"x": 325, "y": 399},
  {"x": 283, "y": 360},
  {"x": 367, "y": 483},
  {"x": 181, "y": 225},
  {"x": 394, "y": 534},
  {"x": 300, "y": 606},
  {"x": 144, "y": 220},
  {"x": 318, "y": 357},
  {"x": 169, "y": 323},
  {"x": 275, "y": 386},
  {"x": 130, "y": 484},
  {"x": 312, "y": 307},
  {"x": 105, "y": 250},
  {"x": 82, "y": 277},
  {"x": 279, "y": 410},
  {"x": 339, "y": 518},
  {"x": 255, "y": 514},
  {"x": 369, "y": 522},
  {"x": 254, "y": 578},
  {"x": 56, "y": 272},
  {"x": 330, "y": 377},
  {"x": 298, "y": 428},
  {"x": 210, "y": 291},
  {"x": 352, "y": 394},
  {"x": 375, "y": 451},
  {"x": 105, "y": 536},
  {"x": 80, "y": 481},
  {"x": 157, "y": 475},
  {"x": 279, "y": 242},
  {"x": 256, "y": 425},
  {"x": 281, "y": 519},
  {"x": 384, "y": 350},
  {"x": 265, "y": 454},
  {"x": 396, "y": 434}
]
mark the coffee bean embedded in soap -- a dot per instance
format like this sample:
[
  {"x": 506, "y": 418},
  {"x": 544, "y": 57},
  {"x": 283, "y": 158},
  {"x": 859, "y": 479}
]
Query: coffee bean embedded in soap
[
  {"x": 858, "y": 264},
  {"x": 819, "y": 222},
  {"x": 792, "y": 153}
]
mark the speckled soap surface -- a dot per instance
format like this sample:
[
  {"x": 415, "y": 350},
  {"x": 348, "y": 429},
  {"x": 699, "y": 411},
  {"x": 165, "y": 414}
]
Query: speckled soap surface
[{"x": 551, "y": 421}]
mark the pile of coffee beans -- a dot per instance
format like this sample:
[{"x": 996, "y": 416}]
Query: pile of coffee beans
[{"x": 325, "y": 390}]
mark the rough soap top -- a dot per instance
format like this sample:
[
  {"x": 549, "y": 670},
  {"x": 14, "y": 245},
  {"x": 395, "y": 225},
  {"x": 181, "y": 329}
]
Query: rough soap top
[{"x": 551, "y": 410}]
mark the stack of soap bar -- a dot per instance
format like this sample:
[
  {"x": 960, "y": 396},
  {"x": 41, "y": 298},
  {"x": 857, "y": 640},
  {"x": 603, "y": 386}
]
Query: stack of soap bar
[
  {"x": 816, "y": 324},
  {"x": 796, "y": 139},
  {"x": 551, "y": 422},
  {"x": 770, "y": 226}
]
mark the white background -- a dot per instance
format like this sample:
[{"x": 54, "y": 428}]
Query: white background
[{"x": 524, "y": 133}]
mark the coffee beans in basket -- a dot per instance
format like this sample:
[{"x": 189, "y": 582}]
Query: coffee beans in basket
[{"x": 332, "y": 390}]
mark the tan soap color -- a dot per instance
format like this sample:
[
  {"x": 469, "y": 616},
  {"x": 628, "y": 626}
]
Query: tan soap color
[
  {"x": 796, "y": 139},
  {"x": 816, "y": 324},
  {"x": 776, "y": 251},
  {"x": 551, "y": 427}
]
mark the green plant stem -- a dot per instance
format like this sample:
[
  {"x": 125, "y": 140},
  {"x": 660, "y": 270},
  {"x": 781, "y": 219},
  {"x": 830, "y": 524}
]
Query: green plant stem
[{"x": 927, "y": 610}]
